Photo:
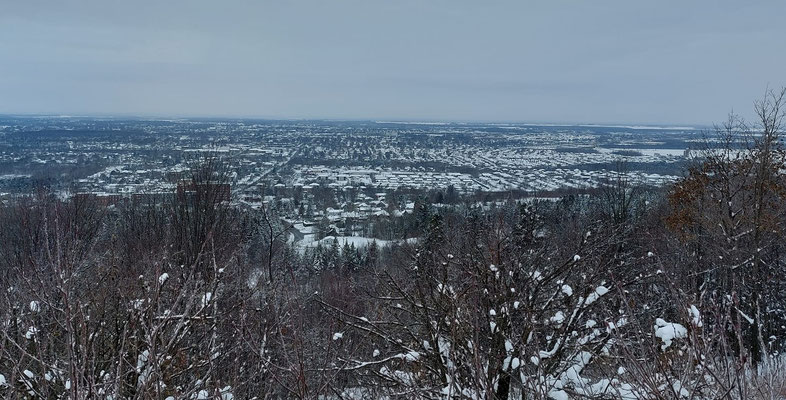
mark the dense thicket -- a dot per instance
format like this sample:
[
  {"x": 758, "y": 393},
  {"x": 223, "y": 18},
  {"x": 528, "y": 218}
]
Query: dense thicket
[{"x": 629, "y": 293}]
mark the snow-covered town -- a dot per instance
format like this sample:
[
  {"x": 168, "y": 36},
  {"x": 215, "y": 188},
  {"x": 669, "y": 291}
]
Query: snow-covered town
[
  {"x": 335, "y": 179},
  {"x": 138, "y": 156}
]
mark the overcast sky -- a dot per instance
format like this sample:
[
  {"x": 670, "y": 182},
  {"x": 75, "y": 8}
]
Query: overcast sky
[{"x": 666, "y": 62}]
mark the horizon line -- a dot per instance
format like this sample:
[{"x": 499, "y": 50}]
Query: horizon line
[{"x": 414, "y": 121}]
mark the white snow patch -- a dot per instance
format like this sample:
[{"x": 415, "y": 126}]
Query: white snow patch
[
  {"x": 594, "y": 296},
  {"x": 226, "y": 393},
  {"x": 695, "y": 316},
  {"x": 558, "y": 394},
  {"x": 412, "y": 356},
  {"x": 31, "y": 332},
  {"x": 558, "y": 318},
  {"x": 668, "y": 331},
  {"x": 681, "y": 391}
]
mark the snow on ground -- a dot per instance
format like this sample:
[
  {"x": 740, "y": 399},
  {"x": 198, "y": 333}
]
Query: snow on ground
[
  {"x": 646, "y": 152},
  {"x": 303, "y": 228},
  {"x": 358, "y": 241}
]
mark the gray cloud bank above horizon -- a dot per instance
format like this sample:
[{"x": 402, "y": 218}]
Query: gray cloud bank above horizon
[{"x": 557, "y": 61}]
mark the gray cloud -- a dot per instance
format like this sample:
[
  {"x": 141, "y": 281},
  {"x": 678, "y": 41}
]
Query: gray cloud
[{"x": 559, "y": 61}]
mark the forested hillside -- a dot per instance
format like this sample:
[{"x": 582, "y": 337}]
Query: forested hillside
[{"x": 629, "y": 292}]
